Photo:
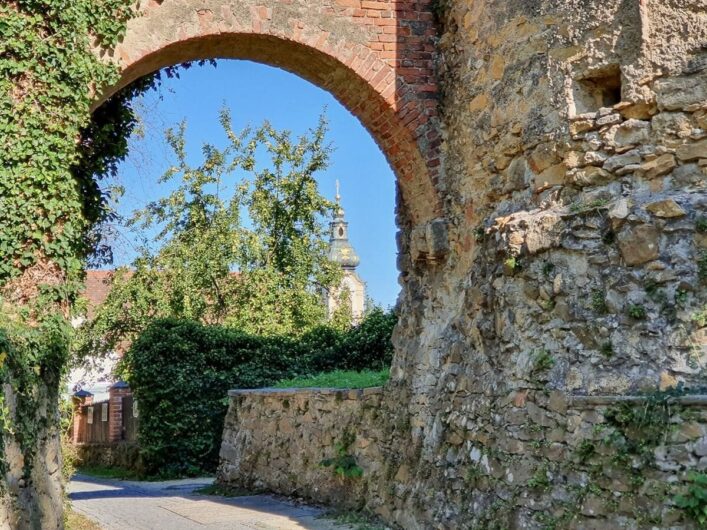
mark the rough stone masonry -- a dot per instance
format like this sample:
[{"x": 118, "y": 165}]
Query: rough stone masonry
[{"x": 552, "y": 245}]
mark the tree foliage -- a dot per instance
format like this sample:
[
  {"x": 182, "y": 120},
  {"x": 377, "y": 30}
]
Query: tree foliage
[{"x": 237, "y": 242}]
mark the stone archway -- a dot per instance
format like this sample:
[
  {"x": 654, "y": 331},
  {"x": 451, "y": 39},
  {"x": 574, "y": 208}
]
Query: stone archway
[{"x": 375, "y": 57}]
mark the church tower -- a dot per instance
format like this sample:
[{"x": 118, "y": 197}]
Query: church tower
[{"x": 341, "y": 252}]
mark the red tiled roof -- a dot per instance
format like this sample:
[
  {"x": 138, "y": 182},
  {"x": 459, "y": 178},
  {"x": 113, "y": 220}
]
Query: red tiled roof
[{"x": 98, "y": 285}]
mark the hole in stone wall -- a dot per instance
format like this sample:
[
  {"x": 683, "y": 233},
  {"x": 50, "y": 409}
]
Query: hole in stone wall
[{"x": 600, "y": 89}]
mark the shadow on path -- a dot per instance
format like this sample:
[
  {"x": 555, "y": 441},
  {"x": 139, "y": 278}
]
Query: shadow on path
[{"x": 173, "y": 505}]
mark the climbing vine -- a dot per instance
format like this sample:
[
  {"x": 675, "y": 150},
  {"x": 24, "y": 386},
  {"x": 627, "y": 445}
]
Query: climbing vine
[
  {"x": 54, "y": 153},
  {"x": 33, "y": 358},
  {"x": 53, "y": 149}
]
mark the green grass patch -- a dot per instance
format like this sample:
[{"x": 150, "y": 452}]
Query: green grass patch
[{"x": 338, "y": 379}]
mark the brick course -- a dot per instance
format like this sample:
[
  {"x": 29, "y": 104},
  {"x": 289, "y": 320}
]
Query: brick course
[{"x": 375, "y": 57}]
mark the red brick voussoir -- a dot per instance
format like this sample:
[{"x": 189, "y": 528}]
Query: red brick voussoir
[{"x": 375, "y": 57}]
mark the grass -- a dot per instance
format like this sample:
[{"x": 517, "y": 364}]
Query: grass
[
  {"x": 338, "y": 379},
  {"x": 76, "y": 521}
]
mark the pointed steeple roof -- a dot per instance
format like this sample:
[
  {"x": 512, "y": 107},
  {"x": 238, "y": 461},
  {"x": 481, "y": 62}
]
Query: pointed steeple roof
[{"x": 340, "y": 249}]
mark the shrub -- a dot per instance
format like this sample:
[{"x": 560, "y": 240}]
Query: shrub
[
  {"x": 694, "y": 500},
  {"x": 180, "y": 372}
]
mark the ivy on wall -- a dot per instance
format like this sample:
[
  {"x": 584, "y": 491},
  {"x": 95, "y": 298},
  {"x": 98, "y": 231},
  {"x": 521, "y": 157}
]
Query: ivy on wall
[
  {"x": 52, "y": 148},
  {"x": 32, "y": 361},
  {"x": 53, "y": 152}
]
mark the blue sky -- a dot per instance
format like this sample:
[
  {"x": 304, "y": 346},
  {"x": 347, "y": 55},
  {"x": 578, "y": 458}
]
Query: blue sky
[{"x": 255, "y": 93}]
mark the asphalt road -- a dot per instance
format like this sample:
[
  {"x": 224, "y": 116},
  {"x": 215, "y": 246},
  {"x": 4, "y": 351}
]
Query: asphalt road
[{"x": 172, "y": 505}]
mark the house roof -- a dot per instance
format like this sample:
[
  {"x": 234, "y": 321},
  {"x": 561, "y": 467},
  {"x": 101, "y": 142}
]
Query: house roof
[{"x": 98, "y": 286}]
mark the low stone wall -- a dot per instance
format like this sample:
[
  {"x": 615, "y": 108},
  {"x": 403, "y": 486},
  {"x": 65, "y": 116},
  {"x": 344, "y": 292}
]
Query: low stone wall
[
  {"x": 537, "y": 460},
  {"x": 121, "y": 454},
  {"x": 276, "y": 440}
]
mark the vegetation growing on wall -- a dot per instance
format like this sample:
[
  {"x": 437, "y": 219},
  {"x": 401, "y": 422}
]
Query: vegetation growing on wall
[
  {"x": 343, "y": 463},
  {"x": 694, "y": 500},
  {"x": 31, "y": 357},
  {"x": 54, "y": 152},
  {"x": 180, "y": 371},
  {"x": 52, "y": 148}
]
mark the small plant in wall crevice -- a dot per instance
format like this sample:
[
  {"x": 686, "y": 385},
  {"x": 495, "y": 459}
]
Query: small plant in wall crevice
[
  {"x": 694, "y": 500},
  {"x": 598, "y": 302},
  {"x": 511, "y": 265},
  {"x": 344, "y": 464},
  {"x": 637, "y": 311},
  {"x": 542, "y": 361}
]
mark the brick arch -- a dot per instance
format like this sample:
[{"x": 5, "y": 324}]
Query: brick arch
[{"x": 375, "y": 57}]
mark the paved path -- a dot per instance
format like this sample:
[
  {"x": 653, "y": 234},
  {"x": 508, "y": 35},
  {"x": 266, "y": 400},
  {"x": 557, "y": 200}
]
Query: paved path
[{"x": 172, "y": 505}]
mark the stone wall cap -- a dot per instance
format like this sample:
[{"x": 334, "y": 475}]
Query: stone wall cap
[
  {"x": 313, "y": 391},
  {"x": 595, "y": 401}
]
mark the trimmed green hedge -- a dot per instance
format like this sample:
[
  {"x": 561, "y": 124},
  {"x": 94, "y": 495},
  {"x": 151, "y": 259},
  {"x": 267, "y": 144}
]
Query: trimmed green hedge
[{"x": 180, "y": 372}]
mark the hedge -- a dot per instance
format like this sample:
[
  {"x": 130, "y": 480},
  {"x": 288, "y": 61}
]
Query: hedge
[{"x": 180, "y": 372}]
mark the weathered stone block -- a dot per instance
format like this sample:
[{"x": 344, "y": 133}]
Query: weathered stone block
[
  {"x": 639, "y": 244},
  {"x": 590, "y": 176},
  {"x": 659, "y": 166},
  {"x": 667, "y": 208},
  {"x": 678, "y": 93},
  {"x": 692, "y": 151}
]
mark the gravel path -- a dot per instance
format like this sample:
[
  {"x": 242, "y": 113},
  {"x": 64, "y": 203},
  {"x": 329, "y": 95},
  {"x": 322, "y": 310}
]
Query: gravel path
[{"x": 172, "y": 505}]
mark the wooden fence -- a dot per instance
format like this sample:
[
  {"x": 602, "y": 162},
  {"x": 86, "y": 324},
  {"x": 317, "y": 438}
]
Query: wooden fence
[
  {"x": 94, "y": 422},
  {"x": 130, "y": 419},
  {"x": 94, "y": 426}
]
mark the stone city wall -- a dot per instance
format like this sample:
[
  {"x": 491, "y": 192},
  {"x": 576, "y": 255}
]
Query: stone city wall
[
  {"x": 575, "y": 163},
  {"x": 574, "y": 170},
  {"x": 277, "y": 440},
  {"x": 541, "y": 461}
]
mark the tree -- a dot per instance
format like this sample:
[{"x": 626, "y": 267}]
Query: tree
[
  {"x": 342, "y": 317},
  {"x": 237, "y": 242}
]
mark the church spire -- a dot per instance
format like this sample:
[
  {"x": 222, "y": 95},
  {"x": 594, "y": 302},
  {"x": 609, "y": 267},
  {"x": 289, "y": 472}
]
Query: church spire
[
  {"x": 341, "y": 252},
  {"x": 340, "y": 249}
]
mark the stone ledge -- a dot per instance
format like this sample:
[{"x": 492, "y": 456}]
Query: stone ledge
[
  {"x": 350, "y": 393},
  {"x": 697, "y": 400}
]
